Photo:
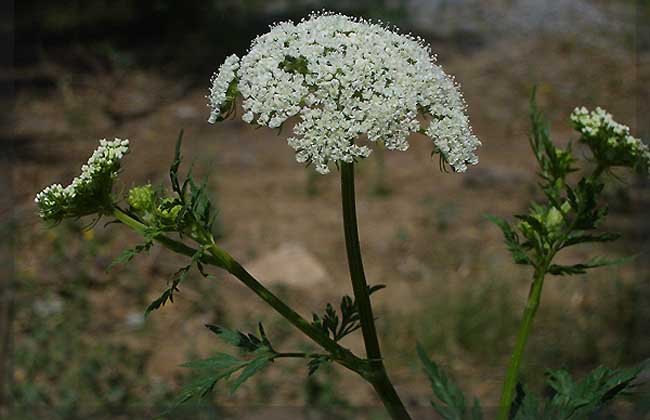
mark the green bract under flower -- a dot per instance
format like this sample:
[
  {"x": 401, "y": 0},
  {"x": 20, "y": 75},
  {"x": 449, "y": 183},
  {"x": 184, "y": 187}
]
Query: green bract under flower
[
  {"x": 90, "y": 192},
  {"x": 611, "y": 142},
  {"x": 345, "y": 78}
]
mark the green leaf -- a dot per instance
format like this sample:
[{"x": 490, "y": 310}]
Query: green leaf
[
  {"x": 220, "y": 367},
  {"x": 128, "y": 254},
  {"x": 580, "y": 237},
  {"x": 477, "y": 412},
  {"x": 578, "y": 400},
  {"x": 178, "y": 278},
  {"x": 247, "y": 342},
  {"x": 316, "y": 362},
  {"x": 451, "y": 405},
  {"x": 159, "y": 302},
  {"x": 209, "y": 372},
  {"x": 537, "y": 225},
  {"x": 554, "y": 163},
  {"x": 375, "y": 288},
  {"x": 511, "y": 239},
  {"x": 217, "y": 368},
  {"x": 336, "y": 327},
  {"x": 253, "y": 367},
  {"x": 176, "y": 163},
  {"x": 218, "y": 362},
  {"x": 569, "y": 270},
  {"x": 530, "y": 408}
]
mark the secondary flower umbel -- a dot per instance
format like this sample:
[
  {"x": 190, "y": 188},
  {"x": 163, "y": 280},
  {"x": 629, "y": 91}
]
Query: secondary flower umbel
[
  {"x": 90, "y": 192},
  {"x": 611, "y": 142},
  {"x": 345, "y": 78}
]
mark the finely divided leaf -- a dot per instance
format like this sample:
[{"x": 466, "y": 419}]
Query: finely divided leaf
[
  {"x": 577, "y": 400},
  {"x": 247, "y": 342},
  {"x": 451, "y": 405},
  {"x": 511, "y": 238},
  {"x": 176, "y": 163},
  {"x": 219, "y": 368},
  {"x": 569, "y": 270},
  {"x": 178, "y": 278},
  {"x": 128, "y": 254},
  {"x": 580, "y": 399},
  {"x": 336, "y": 327},
  {"x": 159, "y": 302},
  {"x": 254, "y": 366},
  {"x": 315, "y": 362},
  {"x": 580, "y": 237}
]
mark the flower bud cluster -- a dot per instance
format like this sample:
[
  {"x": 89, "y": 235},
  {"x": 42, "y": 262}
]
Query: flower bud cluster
[
  {"x": 345, "y": 78},
  {"x": 90, "y": 192},
  {"x": 611, "y": 142}
]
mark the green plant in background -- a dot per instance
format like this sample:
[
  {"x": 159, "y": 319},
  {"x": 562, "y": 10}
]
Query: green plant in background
[
  {"x": 571, "y": 215},
  {"x": 345, "y": 79}
]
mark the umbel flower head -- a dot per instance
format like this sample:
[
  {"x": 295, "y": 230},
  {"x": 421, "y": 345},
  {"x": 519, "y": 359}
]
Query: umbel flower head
[
  {"x": 611, "y": 142},
  {"x": 90, "y": 192},
  {"x": 345, "y": 78}
]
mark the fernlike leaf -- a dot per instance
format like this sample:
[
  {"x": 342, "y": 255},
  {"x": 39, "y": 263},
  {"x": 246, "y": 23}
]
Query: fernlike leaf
[
  {"x": 530, "y": 407},
  {"x": 209, "y": 372},
  {"x": 580, "y": 237},
  {"x": 128, "y": 254},
  {"x": 336, "y": 327},
  {"x": 247, "y": 342},
  {"x": 176, "y": 163},
  {"x": 316, "y": 362},
  {"x": 178, "y": 278},
  {"x": 451, "y": 403},
  {"x": 159, "y": 302},
  {"x": 519, "y": 254},
  {"x": 569, "y": 270},
  {"x": 254, "y": 366},
  {"x": 220, "y": 368},
  {"x": 578, "y": 400}
]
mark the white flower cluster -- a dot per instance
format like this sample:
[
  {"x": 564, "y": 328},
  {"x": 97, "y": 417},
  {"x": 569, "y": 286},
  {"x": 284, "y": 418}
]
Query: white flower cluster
[
  {"x": 88, "y": 191},
  {"x": 611, "y": 141},
  {"x": 220, "y": 84},
  {"x": 346, "y": 78}
]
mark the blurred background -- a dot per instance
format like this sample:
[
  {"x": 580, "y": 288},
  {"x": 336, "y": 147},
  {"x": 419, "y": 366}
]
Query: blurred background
[{"x": 74, "y": 340}]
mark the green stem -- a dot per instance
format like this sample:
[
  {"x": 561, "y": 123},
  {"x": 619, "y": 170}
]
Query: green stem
[
  {"x": 512, "y": 374},
  {"x": 222, "y": 259},
  {"x": 378, "y": 376},
  {"x": 340, "y": 354},
  {"x": 298, "y": 355}
]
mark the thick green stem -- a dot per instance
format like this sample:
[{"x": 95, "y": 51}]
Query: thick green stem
[
  {"x": 378, "y": 376},
  {"x": 222, "y": 259},
  {"x": 512, "y": 374}
]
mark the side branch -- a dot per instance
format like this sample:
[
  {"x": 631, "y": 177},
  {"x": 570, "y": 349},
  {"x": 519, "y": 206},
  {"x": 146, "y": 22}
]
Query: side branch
[{"x": 221, "y": 259}]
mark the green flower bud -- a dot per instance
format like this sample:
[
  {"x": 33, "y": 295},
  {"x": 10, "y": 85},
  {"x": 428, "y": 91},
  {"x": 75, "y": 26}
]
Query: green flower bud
[
  {"x": 168, "y": 210},
  {"x": 553, "y": 218},
  {"x": 142, "y": 199}
]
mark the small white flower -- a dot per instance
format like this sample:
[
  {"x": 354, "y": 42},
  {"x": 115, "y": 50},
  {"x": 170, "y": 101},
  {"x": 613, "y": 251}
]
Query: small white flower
[
  {"x": 345, "y": 78},
  {"x": 610, "y": 141},
  {"x": 220, "y": 83},
  {"x": 89, "y": 191}
]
